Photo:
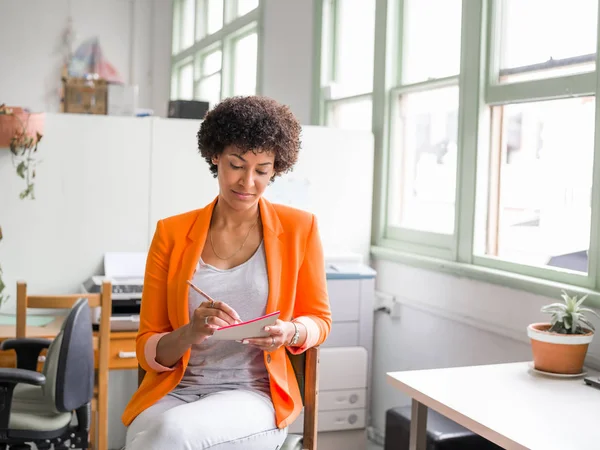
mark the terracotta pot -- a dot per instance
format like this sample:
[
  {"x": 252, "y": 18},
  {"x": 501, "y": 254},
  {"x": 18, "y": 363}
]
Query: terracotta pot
[
  {"x": 558, "y": 353},
  {"x": 12, "y": 123}
]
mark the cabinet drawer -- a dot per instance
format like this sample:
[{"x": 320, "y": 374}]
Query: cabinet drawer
[
  {"x": 122, "y": 354},
  {"x": 348, "y": 419},
  {"x": 343, "y": 334},
  {"x": 344, "y": 299},
  {"x": 346, "y": 399},
  {"x": 352, "y": 362}
]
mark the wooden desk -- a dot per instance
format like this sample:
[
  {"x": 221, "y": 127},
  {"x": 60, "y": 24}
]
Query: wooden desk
[
  {"x": 506, "y": 403},
  {"x": 122, "y": 344}
]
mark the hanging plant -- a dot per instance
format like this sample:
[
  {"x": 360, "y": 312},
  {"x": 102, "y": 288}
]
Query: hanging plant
[
  {"x": 21, "y": 132},
  {"x": 3, "y": 297}
]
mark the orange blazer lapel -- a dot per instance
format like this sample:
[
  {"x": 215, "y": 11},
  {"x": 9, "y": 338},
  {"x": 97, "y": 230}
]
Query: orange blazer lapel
[
  {"x": 190, "y": 256},
  {"x": 272, "y": 230}
]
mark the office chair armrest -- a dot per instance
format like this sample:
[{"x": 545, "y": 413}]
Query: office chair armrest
[
  {"x": 27, "y": 349},
  {"x": 14, "y": 376},
  {"x": 9, "y": 378}
]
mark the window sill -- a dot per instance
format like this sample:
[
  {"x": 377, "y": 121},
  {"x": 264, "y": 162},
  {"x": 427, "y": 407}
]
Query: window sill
[{"x": 513, "y": 280}]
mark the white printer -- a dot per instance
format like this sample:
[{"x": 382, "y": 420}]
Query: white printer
[{"x": 125, "y": 271}]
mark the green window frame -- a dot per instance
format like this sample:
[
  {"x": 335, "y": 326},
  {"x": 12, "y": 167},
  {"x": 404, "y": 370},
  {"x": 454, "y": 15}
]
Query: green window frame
[
  {"x": 478, "y": 92},
  {"x": 326, "y": 95}
]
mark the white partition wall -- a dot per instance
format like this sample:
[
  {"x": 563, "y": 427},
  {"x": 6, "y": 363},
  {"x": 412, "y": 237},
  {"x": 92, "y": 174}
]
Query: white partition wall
[
  {"x": 104, "y": 182},
  {"x": 91, "y": 194},
  {"x": 180, "y": 178},
  {"x": 334, "y": 180}
]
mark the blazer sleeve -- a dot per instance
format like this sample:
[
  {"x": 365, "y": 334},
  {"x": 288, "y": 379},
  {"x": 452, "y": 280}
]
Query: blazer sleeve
[
  {"x": 154, "y": 317},
  {"x": 312, "y": 302}
]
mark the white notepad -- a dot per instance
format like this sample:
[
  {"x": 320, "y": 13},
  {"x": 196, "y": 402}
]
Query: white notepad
[{"x": 246, "y": 330}]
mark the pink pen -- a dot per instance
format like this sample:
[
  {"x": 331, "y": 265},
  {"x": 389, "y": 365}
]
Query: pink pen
[
  {"x": 200, "y": 291},
  {"x": 206, "y": 296}
]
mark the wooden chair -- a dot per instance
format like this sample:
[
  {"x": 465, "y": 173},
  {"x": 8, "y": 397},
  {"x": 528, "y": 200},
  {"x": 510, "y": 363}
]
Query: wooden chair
[
  {"x": 101, "y": 342},
  {"x": 306, "y": 368}
]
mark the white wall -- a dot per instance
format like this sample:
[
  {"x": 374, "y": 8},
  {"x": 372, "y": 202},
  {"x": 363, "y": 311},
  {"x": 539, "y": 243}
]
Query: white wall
[
  {"x": 288, "y": 54},
  {"x": 132, "y": 34},
  {"x": 103, "y": 182},
  {"x": 135, "y": 36},
  {"x": 447, "y": 321}
]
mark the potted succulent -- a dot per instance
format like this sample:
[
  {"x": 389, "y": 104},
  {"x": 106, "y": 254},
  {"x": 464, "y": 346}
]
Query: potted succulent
[{"x": 561, "y": 346}]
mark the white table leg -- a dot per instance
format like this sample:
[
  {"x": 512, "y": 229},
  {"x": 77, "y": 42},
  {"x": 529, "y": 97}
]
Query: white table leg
[{"x": 418, "y": 426}]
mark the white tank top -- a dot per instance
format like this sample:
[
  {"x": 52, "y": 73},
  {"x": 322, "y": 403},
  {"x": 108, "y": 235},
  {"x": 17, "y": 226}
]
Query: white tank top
[{"x": 220, "y": 365}]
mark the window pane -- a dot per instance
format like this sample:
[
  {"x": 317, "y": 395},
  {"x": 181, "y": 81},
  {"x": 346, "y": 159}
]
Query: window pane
[
  {"x": 174, "y": 94},
  {"x": 245, "y": 64},
  {"x": 352, "y": 114},
  {"x": 211, "y": 63},
  {"x": 431, "y": 41},
  {"x": 245, "y": 6},
  {"x": 176, "y": 41},
  {"x": 209, "y": 89},
  {"x": 539, "y": 204},
  {"x": 541, "y": 39},
  {"x": 214, "y": 16},
  {"x": 186, "y": 82},
  {"x": 423, "y": 161},
  {"x": 187, "y": 23},
  {"x": 353, "y": 70}
]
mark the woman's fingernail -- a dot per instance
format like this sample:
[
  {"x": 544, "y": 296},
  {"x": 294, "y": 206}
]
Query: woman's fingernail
[
  {"x": 267, "y": 328},
  {"x": 244, "y": 342}
]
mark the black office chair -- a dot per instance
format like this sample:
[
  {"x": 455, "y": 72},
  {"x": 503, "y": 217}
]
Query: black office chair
[{"x": 38, "y": 408}]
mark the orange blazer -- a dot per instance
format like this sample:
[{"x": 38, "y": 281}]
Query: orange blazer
[{"x": 297, "y": 287}]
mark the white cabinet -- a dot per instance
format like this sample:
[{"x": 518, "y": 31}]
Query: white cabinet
[{"x": 345, "y": 360}]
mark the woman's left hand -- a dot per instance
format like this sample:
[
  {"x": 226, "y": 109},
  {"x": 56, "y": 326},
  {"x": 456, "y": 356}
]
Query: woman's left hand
[{"x": 279, "y": 334}]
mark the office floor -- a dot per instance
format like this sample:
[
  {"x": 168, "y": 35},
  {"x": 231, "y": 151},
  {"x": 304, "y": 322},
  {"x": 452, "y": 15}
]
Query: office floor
[{"x": 373, "y": 446}]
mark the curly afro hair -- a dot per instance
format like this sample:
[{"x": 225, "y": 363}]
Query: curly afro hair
[{"x": 252, "y": 123}]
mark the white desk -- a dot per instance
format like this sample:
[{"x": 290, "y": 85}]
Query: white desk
[{"x": 507, "y": 404}]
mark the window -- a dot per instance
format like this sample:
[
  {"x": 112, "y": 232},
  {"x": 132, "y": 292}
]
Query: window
[
  {"x": 423, "y": 171},
  {"x": 244, "y": 66},
  {"x": 347, "y": 41},
  {"x": 490, "y": 140},
  {"x": 215, "y": 49},
  {"x": 537, "y": 188},
  {"x": 526, "y": 55},
  {"x": 540, "y": 182},
  {"x": 208, "y": 83},
  {"x": 424, "y": 126},
  {"x": 352, "y": 114},
  {"x": 245, "y": 6}
]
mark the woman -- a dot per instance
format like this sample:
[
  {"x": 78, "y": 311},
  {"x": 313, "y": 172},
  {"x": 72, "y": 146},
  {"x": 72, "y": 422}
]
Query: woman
[{"x": 253, "y": 258}]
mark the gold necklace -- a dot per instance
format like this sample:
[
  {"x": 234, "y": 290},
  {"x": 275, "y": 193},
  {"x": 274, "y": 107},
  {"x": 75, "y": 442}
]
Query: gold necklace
[{"x": 238, "y": 250}]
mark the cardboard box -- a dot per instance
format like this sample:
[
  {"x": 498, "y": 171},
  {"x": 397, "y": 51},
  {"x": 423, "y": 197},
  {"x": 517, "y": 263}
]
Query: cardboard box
[{"x": 84, "y": 96}]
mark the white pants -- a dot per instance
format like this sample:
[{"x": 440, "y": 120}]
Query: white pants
[{"x": 236, "y": 419}]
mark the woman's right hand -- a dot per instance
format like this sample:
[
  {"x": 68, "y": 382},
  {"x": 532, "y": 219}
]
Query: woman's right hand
[{"x": 208, "y": 317}]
